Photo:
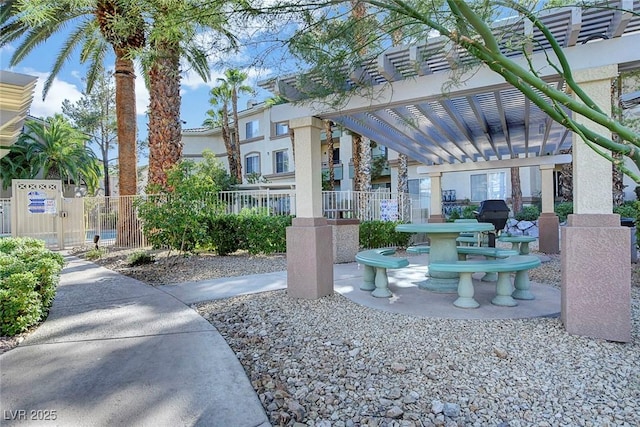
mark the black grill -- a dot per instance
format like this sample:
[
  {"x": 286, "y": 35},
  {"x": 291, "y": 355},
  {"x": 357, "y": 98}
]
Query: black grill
[{"x": 494, "y": 211}]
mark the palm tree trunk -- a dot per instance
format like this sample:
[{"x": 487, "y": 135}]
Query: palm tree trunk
[
  {"x": 516, "y": 190},
  {"x": 364, "y": 178},
  {"x": 329, "y": 137},
  {"x": 356, "y": 142},
  {"x": 126, "y": 116},
  {"x": 403, "y": 185},
  {"x": 165, "y": 125},
  {"x": 236, "y": 136},
  {"x": 127, "y": 155}
]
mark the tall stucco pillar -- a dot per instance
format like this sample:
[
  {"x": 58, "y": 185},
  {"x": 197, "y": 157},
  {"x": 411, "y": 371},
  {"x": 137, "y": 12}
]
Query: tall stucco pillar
[
  {"x": 309, "y": 239},
  {"x": 596, "y": 266},
  {"x": 548, "y": 223},
  {"x": 436, "y": 198}
]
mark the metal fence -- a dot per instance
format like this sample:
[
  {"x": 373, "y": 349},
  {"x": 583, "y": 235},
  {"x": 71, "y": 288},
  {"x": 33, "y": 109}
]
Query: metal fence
[
  {"x": 5, "y": 217},
  {"x": 113, "y": 220}
]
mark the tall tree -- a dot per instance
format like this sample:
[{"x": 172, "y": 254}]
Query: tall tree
[
  {"x": 220, "y": 98},
  {"x": 234, "y": 82},
  {"x": 95, "y": 115},
  {"x": 52, "y": 149},
  {"x": 173, "y": 37},
  {"x": 95, "y": 25}
]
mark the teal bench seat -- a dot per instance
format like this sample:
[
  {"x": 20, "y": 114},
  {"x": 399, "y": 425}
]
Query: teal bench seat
[
  {"x": 520, "y": 264},
  {"x": 376, "y": 262},
  {"x": 520, "y": 243}
]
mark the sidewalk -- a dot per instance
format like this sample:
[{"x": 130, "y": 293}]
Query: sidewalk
[{"x": 115, "y": 351}]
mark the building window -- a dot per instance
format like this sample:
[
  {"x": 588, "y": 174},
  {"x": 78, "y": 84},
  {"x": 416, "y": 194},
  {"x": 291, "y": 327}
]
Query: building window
[
  {"x": 488, "y": 186},
  {"x": 282, "y": 128},
  {"x": 253, "y": 129},
  {"x": 282, "y": 161},
  {"x": 252, "y": 164}
]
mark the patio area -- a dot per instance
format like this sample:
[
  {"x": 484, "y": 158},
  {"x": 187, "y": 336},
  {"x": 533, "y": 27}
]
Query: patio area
[{"x": 411, "y": 300}]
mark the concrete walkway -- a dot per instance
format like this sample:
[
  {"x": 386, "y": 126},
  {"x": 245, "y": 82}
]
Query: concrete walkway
[{"x": 115, "y": 351}]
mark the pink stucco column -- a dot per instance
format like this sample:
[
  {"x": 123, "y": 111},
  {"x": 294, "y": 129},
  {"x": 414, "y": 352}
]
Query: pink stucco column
[
  {"x": 309, "y": 239},
  {"x": 596, "y": 259}
]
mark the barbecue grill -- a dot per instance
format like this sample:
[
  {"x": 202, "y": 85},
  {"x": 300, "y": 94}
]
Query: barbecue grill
[{"x": 496, "y": 212}]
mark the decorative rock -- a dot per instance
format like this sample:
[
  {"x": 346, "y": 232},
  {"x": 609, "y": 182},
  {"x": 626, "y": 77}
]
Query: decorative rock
[
  {"x": 398, "y": 367},
  {"x": 437, "y": 406},
  {"x": 451, "y": 410},
  {"x": 501, "y": 353},
  {"x": 297, "y": 409},
  {"x": 395, "y": 412}
]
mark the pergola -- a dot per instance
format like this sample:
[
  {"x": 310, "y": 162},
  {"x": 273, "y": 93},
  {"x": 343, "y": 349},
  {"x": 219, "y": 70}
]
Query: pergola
[
  {"x": 16, "y": 94},
  {"x": 481, "y": 123}
]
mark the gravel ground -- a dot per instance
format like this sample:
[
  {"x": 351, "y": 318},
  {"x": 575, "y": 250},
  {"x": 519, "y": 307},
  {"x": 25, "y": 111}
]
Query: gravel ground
[{"x": 330, "y": 362}]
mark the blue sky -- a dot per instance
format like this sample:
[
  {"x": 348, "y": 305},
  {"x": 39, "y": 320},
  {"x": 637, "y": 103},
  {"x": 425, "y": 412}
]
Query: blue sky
[{"x": 69, "y": 84}]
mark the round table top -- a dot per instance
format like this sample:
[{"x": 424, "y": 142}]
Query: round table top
[{"x": 445, "y": 227}]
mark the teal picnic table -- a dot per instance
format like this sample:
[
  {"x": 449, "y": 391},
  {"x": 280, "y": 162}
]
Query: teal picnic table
[{"x": 443, "y": 249}]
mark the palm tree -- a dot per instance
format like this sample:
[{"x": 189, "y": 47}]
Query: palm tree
[
  {"x": 54, "y": 150},
  {"x": 234, "y": 81},
  {"x": 221, "y": 96},
  {"x": 96, "y": 26},
  {"x": 173, "y": 36}
]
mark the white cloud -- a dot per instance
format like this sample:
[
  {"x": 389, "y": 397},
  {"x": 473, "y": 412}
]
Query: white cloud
[
  {"x": 142, "y": 94},
  {"x": 58, "y": 92}
]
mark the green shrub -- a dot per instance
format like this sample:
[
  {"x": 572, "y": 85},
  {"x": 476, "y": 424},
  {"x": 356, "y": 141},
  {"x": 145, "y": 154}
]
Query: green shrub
[
  {"x": 94, "y": 254},
  {"x": 563, "y": 210},
  {"x": 381, "y": 234},
  {"x": 224, "y": 233},
  {"x": 177, "y": 217},
  {"x": 627, "y": 210},
  {"x": 140, "y": 258},
  {"x": 528, "y": 213},
  {"x": 29, "y": 275},
  {"x": 468, "y": 211},
  {"x": 20, "y": 304},
  {"x": 264, "y": 234}
]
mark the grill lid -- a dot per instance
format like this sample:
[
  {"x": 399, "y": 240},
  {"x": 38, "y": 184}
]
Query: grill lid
[{"x": 494, "y": 211}]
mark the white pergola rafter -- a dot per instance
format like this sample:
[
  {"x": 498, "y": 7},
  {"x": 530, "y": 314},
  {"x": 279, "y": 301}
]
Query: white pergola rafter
[{"x": 484, "y": 117}]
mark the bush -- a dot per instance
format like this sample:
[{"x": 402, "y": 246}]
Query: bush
[
  {"x": 468, "y": 211},
  {"x": 140, "y": 258},
  {"x": 264, "y": 234},
  {"x": 528, "y": 213},
  {"x": 382, "y": 234},
  {"x": 177, "y": 217},
  {"x": 627, "y": 210},
  {"x": 28, "y": 280},
  {"x": 563, "y": 210},
  {"x": 224, "y": 233},
  {"x": 94, "y": 254}
]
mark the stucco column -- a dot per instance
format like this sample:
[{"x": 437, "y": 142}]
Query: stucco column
[
  {"x": 309, "y": 239},
  {"x": 548, "y": 223},
  {"x": 436, "y": 197},
  {"x": 596, "y": 259}
]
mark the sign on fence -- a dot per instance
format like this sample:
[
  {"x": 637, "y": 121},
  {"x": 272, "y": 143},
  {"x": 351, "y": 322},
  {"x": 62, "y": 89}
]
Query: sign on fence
[{"x": 389, "y": 209}]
